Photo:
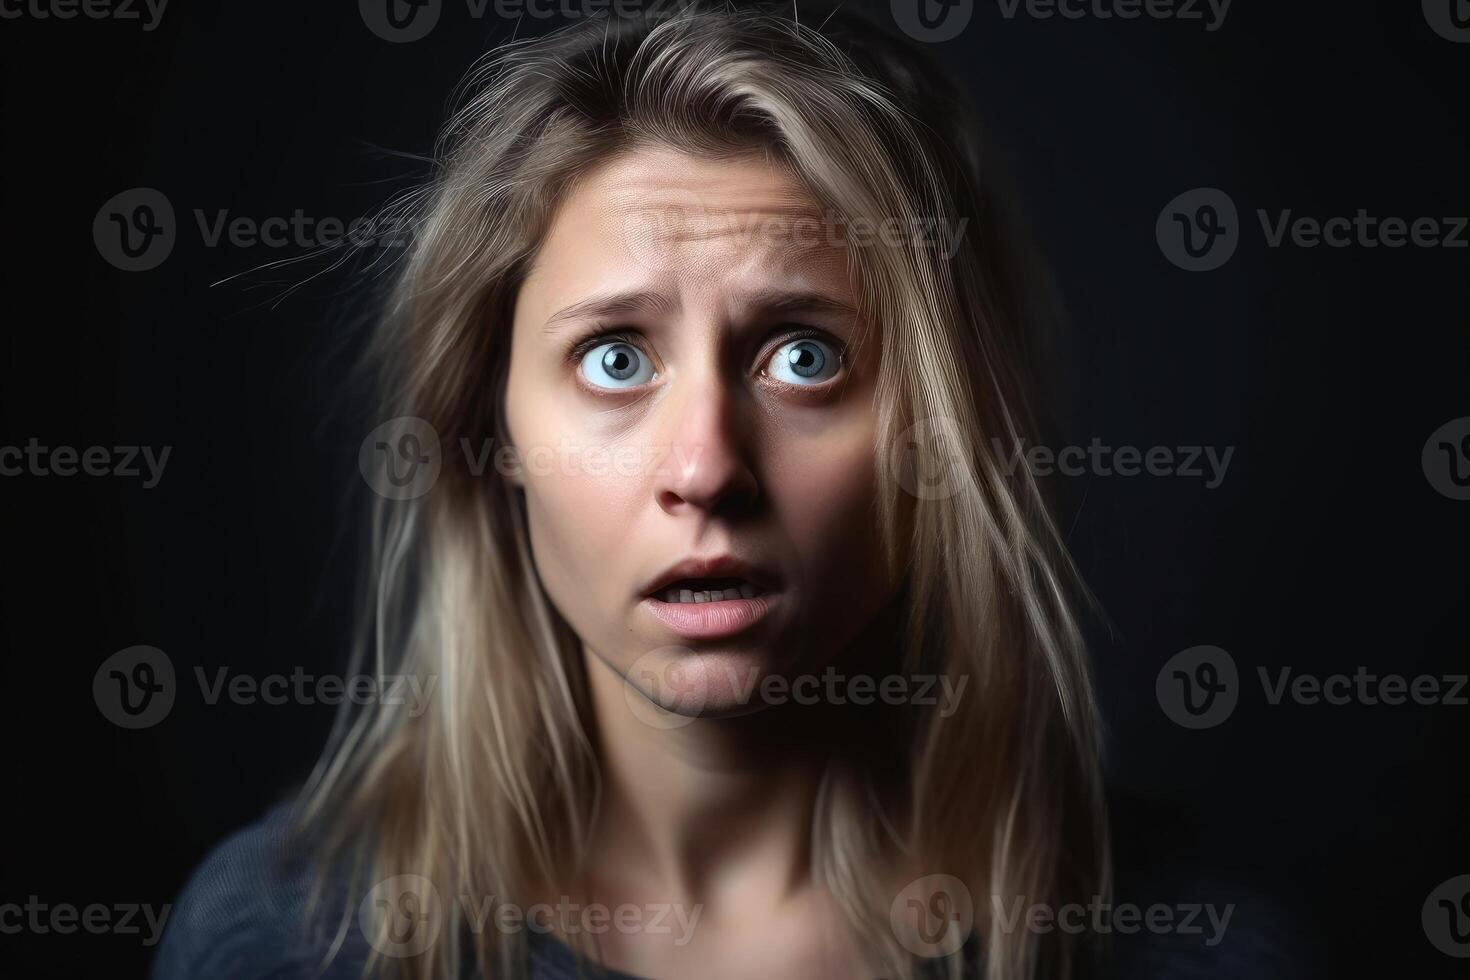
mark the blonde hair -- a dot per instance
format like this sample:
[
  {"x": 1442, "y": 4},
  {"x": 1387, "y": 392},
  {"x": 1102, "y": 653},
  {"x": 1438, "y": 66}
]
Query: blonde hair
[{"x": 495, "y": 787}]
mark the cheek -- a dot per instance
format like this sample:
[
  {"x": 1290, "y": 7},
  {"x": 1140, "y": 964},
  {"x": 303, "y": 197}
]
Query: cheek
[
  {"x": 577, "y": 508},
  {"x": 825, "y": 492}
]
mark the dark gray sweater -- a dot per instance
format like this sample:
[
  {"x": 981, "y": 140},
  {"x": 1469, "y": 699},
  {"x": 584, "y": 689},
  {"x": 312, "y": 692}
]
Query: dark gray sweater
[{"x": 243, "y": 916}]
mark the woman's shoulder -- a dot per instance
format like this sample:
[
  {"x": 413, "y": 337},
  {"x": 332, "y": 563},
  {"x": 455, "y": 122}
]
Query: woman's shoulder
[{"x": 251, "y": 910}]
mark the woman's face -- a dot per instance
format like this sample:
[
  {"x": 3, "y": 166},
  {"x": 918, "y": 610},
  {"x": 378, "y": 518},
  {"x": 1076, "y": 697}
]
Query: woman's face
[{"x": 684, "y": 386}]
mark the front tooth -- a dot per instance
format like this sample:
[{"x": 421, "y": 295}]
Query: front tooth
[
  {"x": 686, "y": 595},
  {"x": 745, "y": 592},
  {"x": 701, "y": 597},
  {"x": 732, "y": 593}
]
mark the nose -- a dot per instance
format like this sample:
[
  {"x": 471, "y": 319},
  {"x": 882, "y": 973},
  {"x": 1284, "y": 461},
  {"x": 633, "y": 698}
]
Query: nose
[{"x": 707, "y": 470}]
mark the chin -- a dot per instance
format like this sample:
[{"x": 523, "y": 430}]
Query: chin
[{"x": 709, "y": 683}]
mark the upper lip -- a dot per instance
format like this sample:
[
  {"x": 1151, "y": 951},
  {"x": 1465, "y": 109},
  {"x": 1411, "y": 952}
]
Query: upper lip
[{"x": 717, "y": 566}]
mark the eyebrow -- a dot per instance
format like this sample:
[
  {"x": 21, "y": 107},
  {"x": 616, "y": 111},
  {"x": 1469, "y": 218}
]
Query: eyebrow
[
  {"x": 766, "y": 302},
  {"x": 610, "y": 305}
]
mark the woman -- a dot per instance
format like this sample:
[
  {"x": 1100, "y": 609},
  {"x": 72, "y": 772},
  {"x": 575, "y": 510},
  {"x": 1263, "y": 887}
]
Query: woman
[{"x": 730, "y": 612}]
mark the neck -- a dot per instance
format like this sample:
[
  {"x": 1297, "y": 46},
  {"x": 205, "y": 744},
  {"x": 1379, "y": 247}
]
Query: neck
[
  {"x": 724, "y": 805},
  {"x": 714, "y": 805}
]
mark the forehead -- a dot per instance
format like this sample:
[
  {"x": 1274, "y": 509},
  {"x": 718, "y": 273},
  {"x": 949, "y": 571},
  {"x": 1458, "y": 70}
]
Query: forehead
[{"x": 693, "y": 226}]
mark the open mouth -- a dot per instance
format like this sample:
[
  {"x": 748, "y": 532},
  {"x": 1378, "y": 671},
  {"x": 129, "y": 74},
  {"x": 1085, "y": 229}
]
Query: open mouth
[{"x": 715, "y": 589}]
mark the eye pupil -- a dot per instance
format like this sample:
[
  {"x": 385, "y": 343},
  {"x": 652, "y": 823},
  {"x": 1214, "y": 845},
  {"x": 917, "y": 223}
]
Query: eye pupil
[{"x": 806, "y": 360}]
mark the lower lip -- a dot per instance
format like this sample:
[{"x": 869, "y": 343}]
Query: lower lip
[{"x": 712, "y": 620}]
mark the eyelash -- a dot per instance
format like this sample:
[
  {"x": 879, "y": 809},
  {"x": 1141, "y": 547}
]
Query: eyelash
[{"x": 603, "y": 335}]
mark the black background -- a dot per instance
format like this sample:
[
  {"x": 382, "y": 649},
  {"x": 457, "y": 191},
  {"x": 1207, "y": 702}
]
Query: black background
[{"x": 1325, "y": 548}]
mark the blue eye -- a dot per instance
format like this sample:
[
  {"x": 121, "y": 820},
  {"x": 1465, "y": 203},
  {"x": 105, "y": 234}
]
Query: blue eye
[
  {"x": 616, "y": 365},
  {"x": 804, "y": 362}
]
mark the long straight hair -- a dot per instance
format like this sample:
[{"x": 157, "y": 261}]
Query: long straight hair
[{"x": 495, "y": 787}]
